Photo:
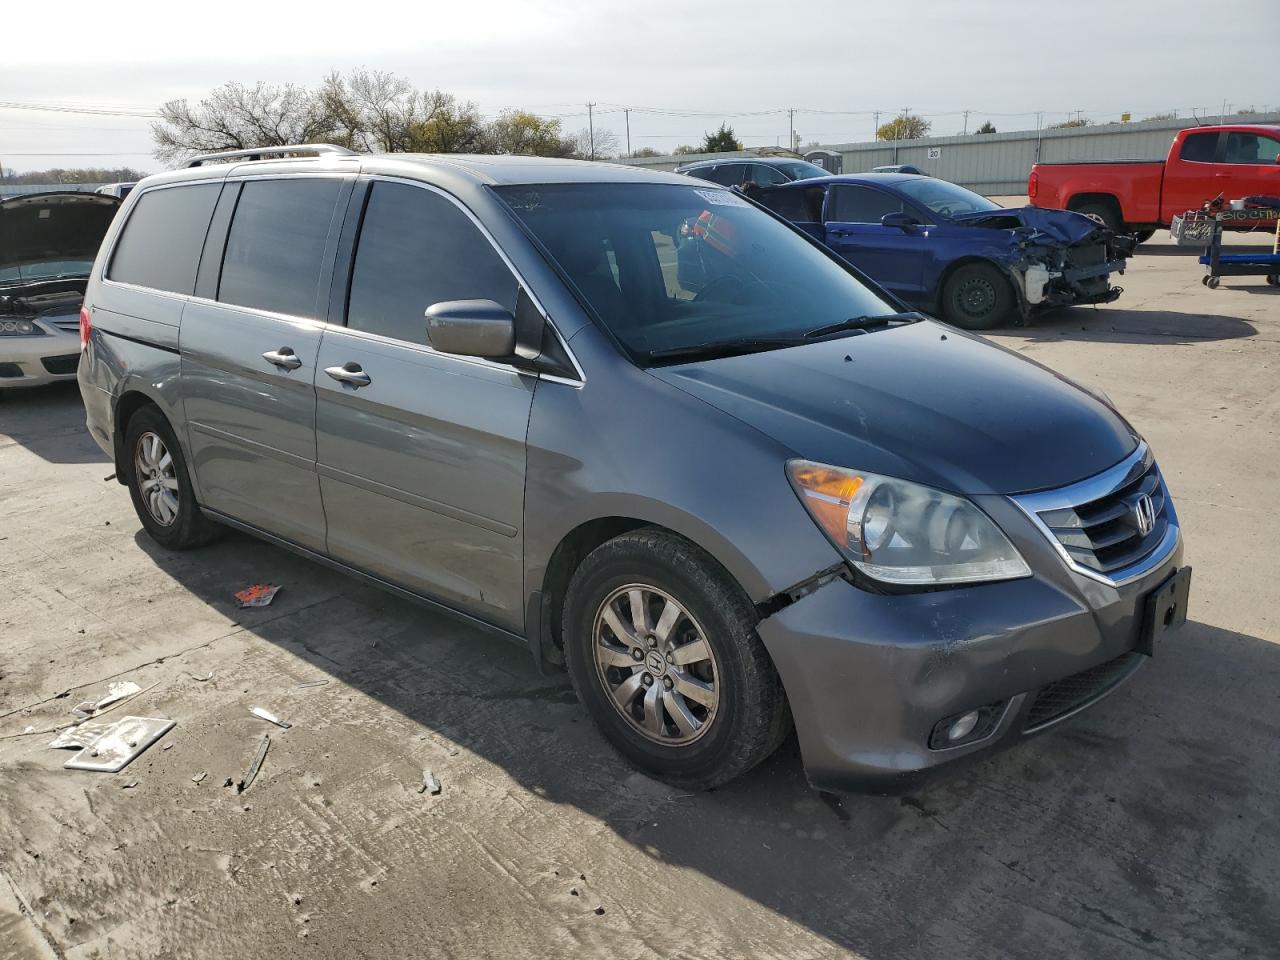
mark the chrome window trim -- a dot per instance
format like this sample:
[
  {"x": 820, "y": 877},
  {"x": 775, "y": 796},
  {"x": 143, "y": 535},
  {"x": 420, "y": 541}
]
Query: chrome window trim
[{"x": 1094, "y": 488}]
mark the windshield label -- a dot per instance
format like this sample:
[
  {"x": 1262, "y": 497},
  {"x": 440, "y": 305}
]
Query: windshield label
[{"x": 722, "y": 198}]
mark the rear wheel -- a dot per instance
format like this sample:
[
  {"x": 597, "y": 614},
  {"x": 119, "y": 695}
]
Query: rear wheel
[
  {"x": 977, "y": 297},
  {"x": 662, "y": 649},
  {"x": 1105, "y": 213},
  {"x": 156, "y": 474}
]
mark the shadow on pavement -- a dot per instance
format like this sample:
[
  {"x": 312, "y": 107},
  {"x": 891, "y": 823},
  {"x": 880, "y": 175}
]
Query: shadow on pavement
[
  {"x": 49, "y": 421},
  {"x": 1132, "y": 326},
  {"x": 1146, "y": 827}
]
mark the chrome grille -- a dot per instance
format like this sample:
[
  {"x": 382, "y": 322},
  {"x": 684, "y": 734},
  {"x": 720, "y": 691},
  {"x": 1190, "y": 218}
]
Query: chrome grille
[{"x": 1099, "y": 525}]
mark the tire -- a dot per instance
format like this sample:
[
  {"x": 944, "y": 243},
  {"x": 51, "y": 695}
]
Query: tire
[
  {"x": 736, "y": 713},
  {"x": 1101, "y": 210},
  {"x": 155, "y": 471},
  {"x": 1142, "y": 236},
  {"x": 977, "y": 296},
  {"x": 1211, "y": 283}
]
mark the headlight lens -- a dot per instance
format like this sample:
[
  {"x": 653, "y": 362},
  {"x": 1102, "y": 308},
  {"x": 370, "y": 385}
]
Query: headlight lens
[
  {"x": 904, "y": 533},
  {"x": 19, "y": 328}
]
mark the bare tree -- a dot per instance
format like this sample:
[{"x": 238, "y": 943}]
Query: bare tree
[
  {"x": 601, "y": 144},
  {"x": 236, "y": 117}
]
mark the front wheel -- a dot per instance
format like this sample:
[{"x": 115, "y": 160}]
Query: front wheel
[
  {"x": 977, "y": 297},
  {"x": 662, "y": 650}
]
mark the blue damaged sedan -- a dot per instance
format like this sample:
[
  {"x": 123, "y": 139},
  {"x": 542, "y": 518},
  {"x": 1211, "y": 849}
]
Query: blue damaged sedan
[{"x": 952, "y": 252}]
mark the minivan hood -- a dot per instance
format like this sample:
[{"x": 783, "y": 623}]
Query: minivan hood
[
  {"x": 923, "y": 402},
  {"x": 44, "y": 227},
  {"x": 1064, "y": 226}
]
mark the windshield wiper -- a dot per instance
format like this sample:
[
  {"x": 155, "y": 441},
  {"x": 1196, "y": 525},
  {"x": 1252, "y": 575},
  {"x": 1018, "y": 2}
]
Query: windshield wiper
[
  {"x": 724, "y": 348},
  {"x": 863, "y": 323}
]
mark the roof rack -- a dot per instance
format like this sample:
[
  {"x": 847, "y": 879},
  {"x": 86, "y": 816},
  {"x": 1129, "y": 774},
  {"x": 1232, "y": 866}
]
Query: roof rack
[{"x": 262, "y": 153}]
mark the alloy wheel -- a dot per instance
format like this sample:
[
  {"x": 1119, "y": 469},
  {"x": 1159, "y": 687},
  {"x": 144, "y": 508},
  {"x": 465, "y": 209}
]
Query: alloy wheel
[
  {"x": 656, "y": 664},
  {"x": 157, "y": 482}
]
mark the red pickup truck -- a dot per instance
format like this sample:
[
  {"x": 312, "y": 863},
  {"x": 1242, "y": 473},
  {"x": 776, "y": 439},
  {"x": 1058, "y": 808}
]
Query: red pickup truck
[{"x": 1138, "y": 196}]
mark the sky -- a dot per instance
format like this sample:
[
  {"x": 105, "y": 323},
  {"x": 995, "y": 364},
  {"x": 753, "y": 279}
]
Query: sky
[{"x": 682, "y": 68}]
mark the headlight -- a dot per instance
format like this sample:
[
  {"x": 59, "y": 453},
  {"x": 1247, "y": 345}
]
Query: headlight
[
  {"x": 904, "y": 533},
  {"x": 19, "y": 328}
]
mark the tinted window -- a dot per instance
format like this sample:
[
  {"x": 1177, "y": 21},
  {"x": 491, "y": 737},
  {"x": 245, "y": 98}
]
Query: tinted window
[
  {"x": 161, "y": 242},
  {"x": 1199, "y": 147},
  {"x": 417, "y": 248},
  {"x": 1251, "y": 148},
  {"x": 861, "y": 205},
  {"x": 767, "y": 176},
  {"x": 729, "y": 174},
  {"x": 945, "y": 198},
  {"x": 693, "y": 264},
  {"x": 276, "y": 245},
  {"x": 798, "y": 205}
]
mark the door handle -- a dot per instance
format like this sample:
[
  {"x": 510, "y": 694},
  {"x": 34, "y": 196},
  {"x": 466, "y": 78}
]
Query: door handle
[
  {"x": 350, "y": 372},
  {"x": 284, "y": 358}
]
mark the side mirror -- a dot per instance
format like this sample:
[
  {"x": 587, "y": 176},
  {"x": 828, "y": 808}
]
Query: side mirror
[
  {"x": 903, "y": 221},
  {"x": 471, "y": 328}
]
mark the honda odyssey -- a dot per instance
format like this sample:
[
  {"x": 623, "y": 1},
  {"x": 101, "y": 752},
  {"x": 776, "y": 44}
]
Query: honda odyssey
[{"x": 779, "y": 500}]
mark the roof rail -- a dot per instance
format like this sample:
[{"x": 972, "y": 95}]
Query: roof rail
[{"x": 262, "y": 153}]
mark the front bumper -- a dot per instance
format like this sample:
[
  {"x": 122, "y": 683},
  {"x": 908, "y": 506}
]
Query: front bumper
[
  {"x": 37, "y": 360},
  {"x": 869, "y": 676}
]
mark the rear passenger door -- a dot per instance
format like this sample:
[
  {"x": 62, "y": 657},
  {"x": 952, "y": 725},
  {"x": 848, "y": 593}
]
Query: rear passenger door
[
  {"x": 422, "y": 454},
  {"x": 249, "y": 343}
]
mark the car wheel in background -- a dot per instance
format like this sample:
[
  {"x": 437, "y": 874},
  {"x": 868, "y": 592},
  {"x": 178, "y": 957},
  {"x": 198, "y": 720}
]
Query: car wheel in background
[
  {"x": 662, "y": 650},
  {"x": 1142, "y": 236},
  {"x": 1103, "y": 212},
  {"x": 977, "y": 296},
  {"x": 156, "y": 473}
]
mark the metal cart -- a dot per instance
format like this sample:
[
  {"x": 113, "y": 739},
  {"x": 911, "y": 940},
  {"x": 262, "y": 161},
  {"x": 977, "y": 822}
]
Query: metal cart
[{"x": 1200, "y": 228}]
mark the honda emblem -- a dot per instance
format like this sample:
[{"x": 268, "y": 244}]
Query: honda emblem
[{"x": 1144, "y": 515}]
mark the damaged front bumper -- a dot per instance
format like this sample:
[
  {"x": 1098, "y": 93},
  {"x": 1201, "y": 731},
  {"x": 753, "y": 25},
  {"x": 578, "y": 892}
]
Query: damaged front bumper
[
  {"x": 875, "y": 681},
  {"x": 1045, "y": 287}
]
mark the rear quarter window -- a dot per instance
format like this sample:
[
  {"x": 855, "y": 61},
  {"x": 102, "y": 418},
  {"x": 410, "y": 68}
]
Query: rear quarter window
[
  {"x": 1199, "y": 147},
  {"x": 160, "y": 244}
]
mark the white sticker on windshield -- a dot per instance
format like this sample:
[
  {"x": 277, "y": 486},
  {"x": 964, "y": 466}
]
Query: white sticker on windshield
[{"x": 722, "y": 198}]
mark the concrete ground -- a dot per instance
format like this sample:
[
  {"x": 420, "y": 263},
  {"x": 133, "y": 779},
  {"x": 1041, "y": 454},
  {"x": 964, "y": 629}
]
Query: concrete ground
[{"x": 1149, "y": 827}]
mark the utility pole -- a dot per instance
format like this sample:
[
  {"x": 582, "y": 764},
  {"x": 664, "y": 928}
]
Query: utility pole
[
  {"x": 627, "y": 112},
  {"x": 791, "y": 114},
  {"x": 966, "y": 123},
  {"x": 875, "y": 135},
  {"x": 591, "y": 131}
]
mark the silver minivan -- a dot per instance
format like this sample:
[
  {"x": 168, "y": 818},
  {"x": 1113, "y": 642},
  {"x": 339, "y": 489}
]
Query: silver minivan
[{"x": 638, "y": 423}]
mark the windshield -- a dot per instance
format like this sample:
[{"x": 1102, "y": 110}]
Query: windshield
[
  {"x": 667, "y": 267},
  {"x": 45, "y": 270},
  {"x": 945, "y": 198},
  {"x": 802, "y": 169}
]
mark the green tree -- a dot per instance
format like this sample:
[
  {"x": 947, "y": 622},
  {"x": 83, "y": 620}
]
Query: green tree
[
  {"x": 722, "y": 141},
  {"x": 905, "y": 126},
  {"x": 1172, "y": 115},
  {"x": 685, "y": 150},
  {"x": 1070, "y": 124},
  {"x": 520, "y": 132},
  {"x": 645, "y": 152},
  {"x": 987, "y": 127}
]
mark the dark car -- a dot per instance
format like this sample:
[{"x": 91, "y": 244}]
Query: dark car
[
  {"x": 479, "y": 382},
  {"x": 47, "y": 245},
  {"x": 762, "y": 171},
  {"x": 952, "y": 252}
]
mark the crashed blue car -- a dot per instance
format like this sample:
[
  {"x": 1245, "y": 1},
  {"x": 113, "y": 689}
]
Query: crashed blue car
[{"x": 951, "y": 252}]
